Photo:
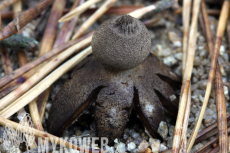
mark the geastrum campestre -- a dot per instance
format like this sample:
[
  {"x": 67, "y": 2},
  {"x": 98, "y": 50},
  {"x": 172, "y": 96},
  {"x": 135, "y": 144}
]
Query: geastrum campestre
[{"x": 121, "y": 75}]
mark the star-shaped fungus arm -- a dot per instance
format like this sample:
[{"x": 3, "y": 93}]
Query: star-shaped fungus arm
[
  {"x": 75, "y": 96},
  {"x": 113, "y": 107}
]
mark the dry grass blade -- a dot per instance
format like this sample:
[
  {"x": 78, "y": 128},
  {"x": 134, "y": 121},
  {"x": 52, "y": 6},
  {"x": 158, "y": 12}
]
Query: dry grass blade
[
  {"x": 64, "y": 35},
  {"x": 77, "y": 11},
  {"x": 228, "y": 31},
  {"x": 208, "y": 145},
  {"x": 210, "y": 131},
  {"x": 51, "y": 65},
  {"x": 105, "y": 6},
  {"x": 219, "y": 88},
  {"x": 159, "y": 6},
  {"x": 52, "y": 25},
  {"x": 24, "y": 18},
  {"x": 20, "y": 71},
  {"x": 210, "y": 11},
  {"x": 186, "y": 78},
  {"x": 186, "y": 19},
  {"x": 6, "y": 3},
  {"x": 215, "y": 150},
  {"x": 185, "y": 124},
  {"x": 219, "y": 35},
  {"x": 7, "y": 14},
  {"x": 35, "y": 116},
  {"x": 17, "y": 82},
  {"x": 44, "y": 84},
  {"x": 40, "y": 134},
  {"x": 118, "y": 10},
  {"x": 17, "y": 7},
  {"x": 46, "y": 45},
  {"x": 221, "y": 112},
  {"x": 68, "y": 27}
]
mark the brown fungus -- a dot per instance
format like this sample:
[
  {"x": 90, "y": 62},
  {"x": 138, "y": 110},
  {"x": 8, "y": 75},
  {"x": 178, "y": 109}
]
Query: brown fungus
[
  {"x": 121, "y": 43},
  {"x": 147, "y": 87}
]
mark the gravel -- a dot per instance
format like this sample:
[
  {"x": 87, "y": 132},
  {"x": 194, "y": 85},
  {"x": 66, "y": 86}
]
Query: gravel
[{"x": 166, "y": 37}]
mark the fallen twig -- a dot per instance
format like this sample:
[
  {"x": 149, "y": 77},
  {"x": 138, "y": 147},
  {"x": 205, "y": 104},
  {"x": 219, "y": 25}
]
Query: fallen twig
[
  {"x": 77, "y": 11},
  {"x": 219, "y": 89},
  {"x": 105, "y": 6},
  {"x": 51, "y": 65},
  {"x": 186, "y": 78},
  {"x": 6, "y": 3},
  {"x": 24, "y": 18},
  {"x": 186, "y": 19},
  {"x": 68, "y": 27},
  {"x": 219, "y": 35},
  {"x": 46, "y": 45},
  {"x": 64, "y": 36},
  {"x": 4, "y": 81},
  {"x": 46, "y": 82}
]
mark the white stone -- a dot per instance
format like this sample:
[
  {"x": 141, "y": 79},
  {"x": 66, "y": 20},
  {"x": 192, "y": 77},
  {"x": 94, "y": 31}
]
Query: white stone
[
  {"x": 226, "y": 92},
  {"x": 131, "y": 146},
  {"x": 172, "y": 97},
  {"x": 135, "y": 135},
  {"x": 86, "y": 133},
  {"x": 121, "y": 147},
  {"x": 170, "y": 60},
  {"x": 163, "y": 147},
  {"x": 177, "y": 44},
  {"x": 178, "y": 56},
  {"x": 48, "y": 106},
  {"x": 143, "y": 146},
  {"x": 155, "y": 145},
  {"x": 222, "y": 50},
  {"x": 116, "y": 140}
]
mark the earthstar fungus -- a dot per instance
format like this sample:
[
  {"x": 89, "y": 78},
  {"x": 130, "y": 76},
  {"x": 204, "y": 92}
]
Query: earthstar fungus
[{"x": 124, "y": 75}]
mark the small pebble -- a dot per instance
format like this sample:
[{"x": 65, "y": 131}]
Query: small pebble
[
  {"x": 172, "y": 97},
  {"x": 135, "y": 135},
  {"x": 222, "y": 49},
  {"x": 170, "y": 60},
  {"x": 131, "y": 146},
  {"x": 163, "y": 130},
  {"x": 171, "y": 130},
  {"x": 155, "y": 145},
  {"x": 78, "y": 133},
  {"x": 178, "y": 56},
  {"x": 143, "y": 146},
  {"x": 86, "y": 133},
  {"x": 163, "y": 147},
  {"x": 121, "y": 147}
]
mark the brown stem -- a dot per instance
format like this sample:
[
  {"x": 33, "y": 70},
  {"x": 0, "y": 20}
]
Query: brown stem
[
  {"x": 46, "y": 45},
  {"x": 219, "y": 89},
  {"x": 228, "y": 31},
  {"x": 24, "y": 19},
  {"x": 6, "y": 3},
  {"x": 17, "y": 82},
  {"x": 52, "y": 25},
  {"x": 6, "y": 60},
  {"x": 68, "y": 27},
  {"x": 22, "y": 58},
  {"x": 210, "y": 12},
  {"x": 92, "y": 19},
  {"x": 219, "y": 35},
  {"x": 64, "y": 35}
]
